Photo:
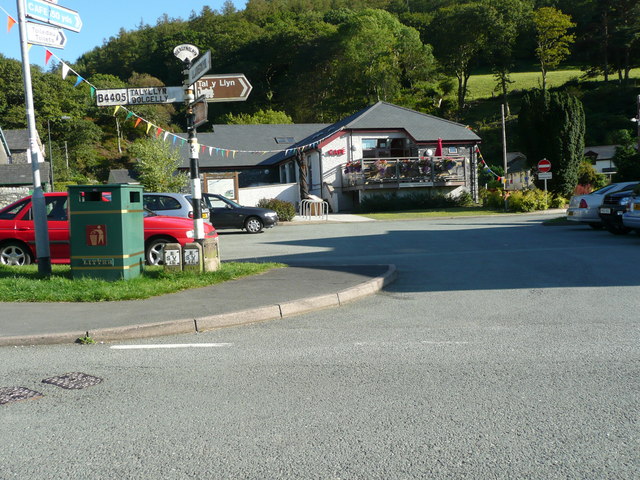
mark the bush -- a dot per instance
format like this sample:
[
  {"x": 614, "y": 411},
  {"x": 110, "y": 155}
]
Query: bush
[
  {"x": 558, "y": 201},
  {"x": 529, "y": 200},
  {"x": 392, "y": 202},
  {"x": 285, "y": 210},
  {"x": 492, "y": 199}
]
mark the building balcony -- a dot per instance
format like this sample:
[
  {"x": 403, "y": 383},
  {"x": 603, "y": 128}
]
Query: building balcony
[{"x": 408, "y": 172}]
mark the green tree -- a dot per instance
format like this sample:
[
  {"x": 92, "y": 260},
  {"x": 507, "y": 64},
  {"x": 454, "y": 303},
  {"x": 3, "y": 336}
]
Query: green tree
[
  {"x": 260, "y": 117},
  {"x": 157, "y": 164},
  {"x": 458, "y": 34},
  {"x": 552, "y": 38},
  {"x": 626, "y": 159},
  {"x": 552, "y": 126}
]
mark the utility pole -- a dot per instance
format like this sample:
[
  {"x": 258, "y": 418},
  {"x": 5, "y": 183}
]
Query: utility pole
[
  {"x": 37, "y": 198},
  {"x": 504, "y": 154}
]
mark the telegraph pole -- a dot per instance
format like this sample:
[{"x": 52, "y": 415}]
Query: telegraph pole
[{"x": 37, "y": 199}]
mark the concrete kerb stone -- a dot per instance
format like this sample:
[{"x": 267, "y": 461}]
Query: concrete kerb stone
[
  {"x": 253, "y": 315},
  {"x": 44, "y": 339},
  {"x": 310, "y": 304},
  {"x": 129, "y": 332}
]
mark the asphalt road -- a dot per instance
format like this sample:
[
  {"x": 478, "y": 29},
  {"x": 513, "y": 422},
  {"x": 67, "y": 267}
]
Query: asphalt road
[{"x": 505, "y": 349}]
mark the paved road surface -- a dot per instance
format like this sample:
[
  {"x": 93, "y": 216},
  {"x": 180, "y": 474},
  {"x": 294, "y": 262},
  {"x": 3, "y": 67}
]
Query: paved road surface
[{"x": 505, "y": 349}]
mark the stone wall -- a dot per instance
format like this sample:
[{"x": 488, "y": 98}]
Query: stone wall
[{"x": 11, "y": 194}]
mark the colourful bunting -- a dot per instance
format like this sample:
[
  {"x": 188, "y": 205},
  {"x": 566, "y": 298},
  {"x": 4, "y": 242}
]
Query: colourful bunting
[
  {"x": 47, "y": 56},
  {"x": 138, "y": 120},
  {"x": 10, "y": 23},
  {"x": 79, "y": 80},
  {"x": 65, "y": 70}
]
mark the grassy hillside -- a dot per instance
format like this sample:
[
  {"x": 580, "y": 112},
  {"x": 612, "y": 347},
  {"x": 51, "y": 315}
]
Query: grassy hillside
[{"x": 483, "y": 86}]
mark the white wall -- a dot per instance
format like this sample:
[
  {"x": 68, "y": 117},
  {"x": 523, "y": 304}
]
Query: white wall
[{"x": 288, "y": 192}]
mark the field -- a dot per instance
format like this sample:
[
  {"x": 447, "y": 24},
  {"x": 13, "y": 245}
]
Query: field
[{"x": 483, "y": 86}]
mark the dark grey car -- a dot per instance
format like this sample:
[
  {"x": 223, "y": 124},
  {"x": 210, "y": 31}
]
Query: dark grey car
[{"x": 226, "y": 213}]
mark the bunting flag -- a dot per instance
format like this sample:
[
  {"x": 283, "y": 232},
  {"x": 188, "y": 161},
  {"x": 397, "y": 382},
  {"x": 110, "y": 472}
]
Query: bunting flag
[
  {"x": 79, "y": 80},
  {"x": 65, "y": 71},
  {"x": 149, "y": 125},
  {"x": 138, "y": 120},
  {"x": 129, "y": 115},
  {"x": 158, "y": 132},
  {"x": 47, "y": 55},
  {"x": 116, "y": 110},
  {"x": 10, "y": 23}
]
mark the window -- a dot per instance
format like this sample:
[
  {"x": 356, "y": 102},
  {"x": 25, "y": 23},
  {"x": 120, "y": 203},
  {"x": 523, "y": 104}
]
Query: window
[
  {"x": 453, "y": 150},
  {"x": 56, "y": 208},
  {"x": 283, "y": 140},
  {"x": 11, "y": 213}
]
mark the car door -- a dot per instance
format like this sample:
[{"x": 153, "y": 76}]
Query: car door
[
  {"x": 222, "y": 214},
  {"x": 57, "y": 224}
]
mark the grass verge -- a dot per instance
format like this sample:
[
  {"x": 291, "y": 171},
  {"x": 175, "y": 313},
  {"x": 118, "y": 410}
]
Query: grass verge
[{"x": 24, "y": 284}]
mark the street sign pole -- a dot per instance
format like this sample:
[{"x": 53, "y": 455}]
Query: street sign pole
[
  {"x": 187, "y": 54},
  {"x": 37, "y": 199}
]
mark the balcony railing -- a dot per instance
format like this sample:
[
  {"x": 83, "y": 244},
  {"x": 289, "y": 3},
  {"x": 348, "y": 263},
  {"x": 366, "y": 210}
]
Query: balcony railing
[{"x": 430, "y": 170}]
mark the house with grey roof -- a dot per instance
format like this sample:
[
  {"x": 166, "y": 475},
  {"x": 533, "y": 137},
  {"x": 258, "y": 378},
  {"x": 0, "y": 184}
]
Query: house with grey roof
[
  {"x": 381, "y": 149},
  {"x": 16, "y": 173}
]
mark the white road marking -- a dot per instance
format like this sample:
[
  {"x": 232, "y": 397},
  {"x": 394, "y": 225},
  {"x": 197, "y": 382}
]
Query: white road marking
[{"x": 170, "y": 345}]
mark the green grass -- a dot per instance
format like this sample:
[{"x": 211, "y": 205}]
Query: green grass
[
  {"x": 442, "y": 212},
  {"x": 483, "y": 86},
  {"x": 24, "y": 284}
]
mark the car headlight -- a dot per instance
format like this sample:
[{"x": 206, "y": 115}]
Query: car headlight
[
  {"x": 271, "y": 214},
  {"x": 624, "y": 200},
  {"x": 190, "y": 234}
]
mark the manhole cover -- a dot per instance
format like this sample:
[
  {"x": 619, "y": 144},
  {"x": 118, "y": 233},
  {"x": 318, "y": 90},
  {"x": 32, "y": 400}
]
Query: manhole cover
[
  {"x": 73, "y": 380},
  {"x": 16, "y": 394}
]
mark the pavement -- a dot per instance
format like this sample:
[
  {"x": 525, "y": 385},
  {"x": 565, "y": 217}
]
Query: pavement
[{"x": 276, "y": 294}]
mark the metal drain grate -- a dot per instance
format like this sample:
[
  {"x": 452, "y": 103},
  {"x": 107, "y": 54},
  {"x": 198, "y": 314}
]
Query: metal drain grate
[
  {"x": 73, "y": 380},
  {"x": 17, "y": 394}
]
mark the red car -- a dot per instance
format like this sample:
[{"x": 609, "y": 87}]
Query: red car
[{"x": 17, "y": 235}]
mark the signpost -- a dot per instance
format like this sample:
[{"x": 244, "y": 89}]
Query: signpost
[
  {"x": 199, "y": 68},
  {"x": 53, "y": 14},
  {"x": 39, "y": 34},
  {"x": 544, "y": 165},
  {"x": 224, "y": 88},
  {"x": 544, "y": 171}
]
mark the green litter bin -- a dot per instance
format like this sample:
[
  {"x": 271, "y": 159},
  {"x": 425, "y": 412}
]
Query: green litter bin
[{"x": 106, "y": 231}]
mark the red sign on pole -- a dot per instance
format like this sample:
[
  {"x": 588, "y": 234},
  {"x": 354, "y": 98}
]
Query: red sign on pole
[{"x": 544, "y": 165}]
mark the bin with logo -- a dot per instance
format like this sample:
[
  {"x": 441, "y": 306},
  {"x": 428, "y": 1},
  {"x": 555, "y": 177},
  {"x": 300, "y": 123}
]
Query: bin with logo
[{"x": 106, "y": 231}]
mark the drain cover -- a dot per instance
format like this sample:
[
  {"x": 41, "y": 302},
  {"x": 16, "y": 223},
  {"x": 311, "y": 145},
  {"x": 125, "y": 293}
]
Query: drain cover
[
  {"x": 73, "y": 380},
  {"x": 16, "y": 394}
]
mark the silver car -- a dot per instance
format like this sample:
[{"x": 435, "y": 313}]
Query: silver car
[
  {"x": 631, "y": 218},
  {"x": 172, "y": 204},
  {"x": 584, "y": 208}
]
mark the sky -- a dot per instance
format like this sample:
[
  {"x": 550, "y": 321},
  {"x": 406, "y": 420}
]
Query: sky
[{"x": 100, "y": 21}]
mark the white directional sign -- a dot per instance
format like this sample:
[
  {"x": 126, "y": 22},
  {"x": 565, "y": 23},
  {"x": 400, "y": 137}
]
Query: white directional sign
[
  {"x": 232, "y": 87},
  {"x": 138, "y": 96},
  {"x": 53, "y": 14},
  {"x": 199, "y": 67},
  {"x": 39, "y": 34}
]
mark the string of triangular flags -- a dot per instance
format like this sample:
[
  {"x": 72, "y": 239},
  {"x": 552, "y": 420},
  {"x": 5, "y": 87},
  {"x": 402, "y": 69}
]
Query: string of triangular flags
[{"x": 486, "y": 167}]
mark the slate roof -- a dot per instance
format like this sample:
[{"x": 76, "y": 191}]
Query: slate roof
[
  {"x": 422, "y": 127},
  {"x": 21, "y": 174},
  {"x": 249, "y": 141},
  {"x": 18, "y": 140}
]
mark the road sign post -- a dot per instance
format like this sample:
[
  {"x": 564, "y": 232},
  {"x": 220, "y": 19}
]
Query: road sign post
[
  {"x": 53, "y": 14},
  {"x": 39, "y": 34},
  {"x": 224, "y": 88},
  {"x": 544, "y": 172}
]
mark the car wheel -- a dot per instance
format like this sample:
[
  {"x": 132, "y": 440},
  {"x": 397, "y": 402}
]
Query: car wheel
[
  {"x": 253, "y": 225},
  {"x": 14, "y": 253},
  {"x": 155, "y": 251}
]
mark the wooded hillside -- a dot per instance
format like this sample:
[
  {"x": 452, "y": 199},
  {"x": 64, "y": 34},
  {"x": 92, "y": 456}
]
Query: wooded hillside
[{"x": 321, "y": 60}]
